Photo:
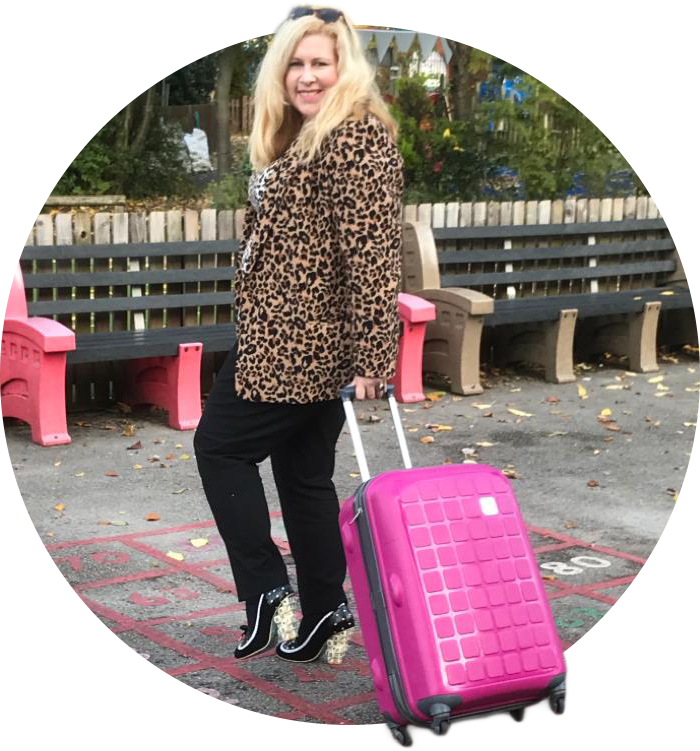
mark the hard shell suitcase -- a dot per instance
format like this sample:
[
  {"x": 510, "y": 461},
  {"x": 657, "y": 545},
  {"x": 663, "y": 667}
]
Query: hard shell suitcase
[{"x": 450, "y": 601}]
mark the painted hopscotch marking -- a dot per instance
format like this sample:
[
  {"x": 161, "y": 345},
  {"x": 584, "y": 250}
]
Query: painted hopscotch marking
[{"x": 583, "y": 580}]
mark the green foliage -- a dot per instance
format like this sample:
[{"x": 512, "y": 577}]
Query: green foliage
[
  {"x": 550, "y": 144},
  {"x": 549, "y": 153},
  {"x": 440, "y": 160},
  {"x": 231, "y": 191},
  {"x": 105, "y": 165}
]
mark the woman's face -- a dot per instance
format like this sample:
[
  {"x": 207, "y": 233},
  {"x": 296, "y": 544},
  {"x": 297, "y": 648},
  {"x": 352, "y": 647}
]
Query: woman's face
[{"x": 312, "y": 70}]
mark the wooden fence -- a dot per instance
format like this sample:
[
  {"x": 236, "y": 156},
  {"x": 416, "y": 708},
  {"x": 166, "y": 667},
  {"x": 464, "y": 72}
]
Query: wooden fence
[{"x": 187, "y": 225}]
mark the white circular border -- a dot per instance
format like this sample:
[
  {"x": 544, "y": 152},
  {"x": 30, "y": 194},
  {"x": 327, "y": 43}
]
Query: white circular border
[{"x": 69, "y": 68}]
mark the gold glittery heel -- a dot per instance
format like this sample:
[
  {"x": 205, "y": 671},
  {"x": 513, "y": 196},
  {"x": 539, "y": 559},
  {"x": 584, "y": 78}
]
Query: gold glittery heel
[{"x": 285, "y": 621}]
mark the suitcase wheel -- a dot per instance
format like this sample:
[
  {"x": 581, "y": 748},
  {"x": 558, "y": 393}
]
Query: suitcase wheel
[
  {"x": 400, "y": 733},
  {"x": 518, "y": 714},
  {"x": 440, "y": 727},
  {"x": 556, "y": 702}
]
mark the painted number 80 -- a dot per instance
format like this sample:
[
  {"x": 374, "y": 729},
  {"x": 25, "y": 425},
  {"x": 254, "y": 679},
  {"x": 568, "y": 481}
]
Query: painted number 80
[{"x": 581, "y": 562}]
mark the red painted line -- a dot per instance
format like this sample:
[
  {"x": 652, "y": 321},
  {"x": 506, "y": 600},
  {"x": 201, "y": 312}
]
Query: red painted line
[
  {"x": 193, "y": 667},
  {"x": 310, "y": 709},
  {"x": 194, "y": 615},
  {"x": 351, "y": 701},
  {"x": 129, "y": 536},
  {"x": 572, "y": 541},
  {"x": 554, "y": 547},
  {"x": 181, "y": 566},
  {"x": 124, "y": 621},
  {"x": 79, "y": 587}
]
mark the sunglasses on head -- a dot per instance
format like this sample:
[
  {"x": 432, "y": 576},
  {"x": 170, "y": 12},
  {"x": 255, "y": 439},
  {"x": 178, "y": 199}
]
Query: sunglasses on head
[{"x": 327, "y": 15}]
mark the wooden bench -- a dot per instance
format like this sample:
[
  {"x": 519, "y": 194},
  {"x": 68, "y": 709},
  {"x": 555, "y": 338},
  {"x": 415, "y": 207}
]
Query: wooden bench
[
  {"x": 534, "y": 286},
  {"x": 140, "y": 303}
]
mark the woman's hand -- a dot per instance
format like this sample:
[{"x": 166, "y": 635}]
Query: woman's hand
[{"x": 368, "y": 388}]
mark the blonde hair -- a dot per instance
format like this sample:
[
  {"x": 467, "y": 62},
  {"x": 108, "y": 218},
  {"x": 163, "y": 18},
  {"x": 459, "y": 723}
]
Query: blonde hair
[{"x": 276, "y": 123}]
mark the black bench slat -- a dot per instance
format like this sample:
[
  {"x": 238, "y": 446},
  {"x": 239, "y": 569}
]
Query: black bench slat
[
  {"x": 147, "y": 302},
  {"x": 534, "y": 309},
  {"x": 130, "y": 345},
  {"x": 535, "y": 253},
  {"x": 127, "y": 250},
  {"x": 516, "y": 231},
  {"x": 553, "y": 275},
  {"x": 124, "y": 278}
]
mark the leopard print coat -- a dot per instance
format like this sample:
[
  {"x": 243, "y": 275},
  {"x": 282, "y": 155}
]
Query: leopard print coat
[{"x": 316, "y": 296}]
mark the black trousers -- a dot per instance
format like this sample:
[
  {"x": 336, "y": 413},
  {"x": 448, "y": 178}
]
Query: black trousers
[{"x": 233, "y": 437}]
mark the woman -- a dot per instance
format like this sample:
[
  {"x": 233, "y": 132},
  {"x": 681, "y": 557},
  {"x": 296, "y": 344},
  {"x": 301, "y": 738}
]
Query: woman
[{"x": 316, "y": 293}]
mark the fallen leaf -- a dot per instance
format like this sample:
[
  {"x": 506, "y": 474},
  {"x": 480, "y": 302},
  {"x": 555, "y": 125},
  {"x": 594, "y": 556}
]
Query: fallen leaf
[
  {"x": 427, "y": 439},
  {"x": 605, "y": 412},
  {"x": 199, "y": 542},
  {"x": 108, "y": 426},
  {"x": 661, "y": 387},
  {"x": 153, "y": 517},
  {"x": 134, "y": 446},
  {"x": 111, "y": 473},
  {"x": 553, "y": 399},
  {"x": 80, "y": 474},
  {"x": 175, "y": 556},
  {"x": 556, "y": 433},
  {"x": 571, "y": 525},
  {"x": 119, "y": 523},
  {"x": 593, "y": 483},
  {"x": 413, "y": 430},
  {"x": 437, "y": 428},
  {"x": 179, "y": 492},
  {"x": 690, "y": 424},
  {"x": 655, "y": 379},
  {"x": 583, "y": 394},
  {"x": 435, "y": 396},
  {"x": 549, "y": 578},
  {"x": 178, "y": 445},
  {"x": 57, "y": 464},
  {"x": 519, "y": 413},
  {"x": 671, "y": 491},
  {"x": 616, "y": 387},
  {"x": 515, "y": 391},
  {"x": 481, "y": 406},
  {"x": 184, "y": 457},
  {"x": 612, "y": 426},
  {"x": 485, "y": 444},
  {"x": 692, "y": 388},
  {"x": 138, "y": 466},
  {"x": 154, "y": 458},
  {"x": 82, "y": 424},
  {"x": 60, "y": 506},
  {"x": 123, "y": 407},
  {"x": 469, "y": 452},
  {"x": 371, "y": 418},
  {"x": 129, "y": 430},
  {"x": 169, "y": 457},
  {"x": 510, "y": 474},
  {"x": 354, "y": 474},
  {"x": 668, "y": 292}
]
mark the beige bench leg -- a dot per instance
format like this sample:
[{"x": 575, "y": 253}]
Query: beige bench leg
[
  {"x": 452, "y": 345},
  {"x": 632, "y": 335},
  {"x": 642, "y": 339},
  {"x": 549, "y": 344}
]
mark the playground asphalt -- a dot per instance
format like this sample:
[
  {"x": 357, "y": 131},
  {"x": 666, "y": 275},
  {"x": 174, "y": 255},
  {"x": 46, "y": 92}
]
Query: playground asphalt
[{"x": 596, "y": 466}]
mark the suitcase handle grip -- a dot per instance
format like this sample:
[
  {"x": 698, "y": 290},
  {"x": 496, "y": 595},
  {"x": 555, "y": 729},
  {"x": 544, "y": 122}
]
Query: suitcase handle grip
[{"x": 347, "y": 394}]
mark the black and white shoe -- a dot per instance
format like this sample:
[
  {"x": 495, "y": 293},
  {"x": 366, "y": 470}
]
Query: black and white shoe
[
  {"x": 271, "y": 615},
  {"x": 330, "y": 633}
]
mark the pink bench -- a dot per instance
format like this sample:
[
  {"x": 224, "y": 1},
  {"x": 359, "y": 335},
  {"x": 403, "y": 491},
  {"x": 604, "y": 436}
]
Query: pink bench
[
  {"x": 35, "y": 351},
  {"x": 32, "y": 369},
  {"x": 414, "y": 313}
]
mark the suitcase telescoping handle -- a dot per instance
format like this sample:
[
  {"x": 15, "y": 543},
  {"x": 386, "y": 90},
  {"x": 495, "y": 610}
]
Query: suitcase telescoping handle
[{"x": 347, "y": 394}]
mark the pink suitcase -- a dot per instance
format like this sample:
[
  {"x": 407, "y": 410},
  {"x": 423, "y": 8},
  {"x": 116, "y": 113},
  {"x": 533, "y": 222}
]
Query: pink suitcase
[{"x": 450, "y": 601}]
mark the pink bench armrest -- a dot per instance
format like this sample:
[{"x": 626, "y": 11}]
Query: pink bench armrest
[
  {"x": 415, "y": 309},
  {"x": 49, "y": 335}
]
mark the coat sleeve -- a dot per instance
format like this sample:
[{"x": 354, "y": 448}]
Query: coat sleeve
[{"x": 362, "y": 171}]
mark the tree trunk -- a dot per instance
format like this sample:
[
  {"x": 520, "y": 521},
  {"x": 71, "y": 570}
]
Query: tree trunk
[
  {"x": 224, "y": 75},
  {"x": 460, "y": 81},
  {"x": 140, "y": 139}
]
